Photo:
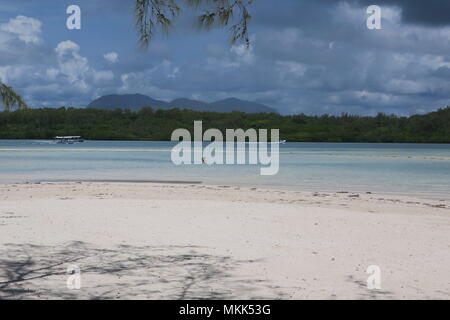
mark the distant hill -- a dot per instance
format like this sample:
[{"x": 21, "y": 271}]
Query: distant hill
[
  {"x": 126, "y": 101},
  {"x": 138, "y": 101},
  {"x": 184, "y": 103},
  {"x": 242, "y": 105}
]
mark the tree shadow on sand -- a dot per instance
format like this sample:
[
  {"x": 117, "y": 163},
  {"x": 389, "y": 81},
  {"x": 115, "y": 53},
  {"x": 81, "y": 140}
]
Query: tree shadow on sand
[
  {"x": 368, "y": 294},
  {"x": 126, "y": 272}
]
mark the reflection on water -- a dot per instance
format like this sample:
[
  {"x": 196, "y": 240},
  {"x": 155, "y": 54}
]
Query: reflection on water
[{"x": 388, "y": 168}]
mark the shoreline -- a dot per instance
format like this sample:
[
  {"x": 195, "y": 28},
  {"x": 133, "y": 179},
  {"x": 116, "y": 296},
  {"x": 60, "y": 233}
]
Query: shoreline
[
  {"x": 290, "y": 141},
  {"x": 257, "y": 193},
  {"x": 432, "y": 196},
  {"x": 172, "y": 241}
]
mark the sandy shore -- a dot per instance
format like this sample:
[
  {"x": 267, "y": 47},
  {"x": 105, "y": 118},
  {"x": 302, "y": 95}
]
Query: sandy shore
[{"x": 162, "y": 241}]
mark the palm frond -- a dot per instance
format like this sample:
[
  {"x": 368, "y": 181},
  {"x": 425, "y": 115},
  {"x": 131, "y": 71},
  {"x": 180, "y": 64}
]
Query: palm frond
[{"x": 10, "y": 99}]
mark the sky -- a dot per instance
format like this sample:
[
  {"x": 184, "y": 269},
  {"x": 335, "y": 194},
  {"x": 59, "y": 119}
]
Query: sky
[{"x": 306, "y": 56}]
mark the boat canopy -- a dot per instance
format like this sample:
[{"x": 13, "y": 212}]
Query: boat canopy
[{"x": 67, "y": 137}]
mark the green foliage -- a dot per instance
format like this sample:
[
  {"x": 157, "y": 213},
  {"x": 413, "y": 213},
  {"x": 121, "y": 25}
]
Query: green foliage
[
  {"x": 158, "y": 125},
  {"x": 10, "y": 99}
]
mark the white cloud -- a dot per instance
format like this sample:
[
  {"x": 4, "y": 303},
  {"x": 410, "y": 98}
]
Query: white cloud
[
  {"x": 167, "y": 67},
  {"x": 66, "y": 47},
  {"x": 71, "y": 64},
  {"x": 112, "y": 57},
  {"x": 101, "y": 77},
  {"x": 243, "y": 53},
  {"x": 27, "y": 29},
  {"x": 290, "y": 69},
  {"x": 14, "y": 73},
  {"x": 52, "y": 73}
]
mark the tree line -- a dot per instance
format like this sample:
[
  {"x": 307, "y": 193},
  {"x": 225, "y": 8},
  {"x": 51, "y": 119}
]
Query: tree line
[{"x": 150, "y": 125}]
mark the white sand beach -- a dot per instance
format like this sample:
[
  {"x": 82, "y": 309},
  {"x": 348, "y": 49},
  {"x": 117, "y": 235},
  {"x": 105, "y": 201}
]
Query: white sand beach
[{"x": 175, "y": 241}]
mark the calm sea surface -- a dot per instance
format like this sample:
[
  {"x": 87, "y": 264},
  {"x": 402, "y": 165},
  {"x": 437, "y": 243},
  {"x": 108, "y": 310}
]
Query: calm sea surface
[{"x": 416, "y": 169}]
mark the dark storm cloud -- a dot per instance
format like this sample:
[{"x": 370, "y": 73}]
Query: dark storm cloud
[
  {"x": 316, "y": 13},
  {"x": 423, "y": 12}
]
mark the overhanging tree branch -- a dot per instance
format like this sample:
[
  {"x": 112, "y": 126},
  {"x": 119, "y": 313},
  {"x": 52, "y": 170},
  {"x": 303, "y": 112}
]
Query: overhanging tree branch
[{"x": 152, "y": 14}]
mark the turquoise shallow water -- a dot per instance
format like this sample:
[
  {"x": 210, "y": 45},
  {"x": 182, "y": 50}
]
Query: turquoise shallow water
[{"x": 416, "y": 169}]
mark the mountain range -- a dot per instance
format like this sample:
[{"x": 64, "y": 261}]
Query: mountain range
[{"x": 136, "y": 102}]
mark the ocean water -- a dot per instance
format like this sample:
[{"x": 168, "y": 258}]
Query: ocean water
[{"x": 412, "y": 169}]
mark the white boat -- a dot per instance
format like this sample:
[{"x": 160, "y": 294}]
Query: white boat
[
  {"x": 274, "y": 142},
  {"x": 68, "y": 139}
]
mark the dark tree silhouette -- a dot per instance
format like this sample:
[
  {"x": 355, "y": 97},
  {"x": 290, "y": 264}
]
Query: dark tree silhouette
[{"x": 158, "y": 125}]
